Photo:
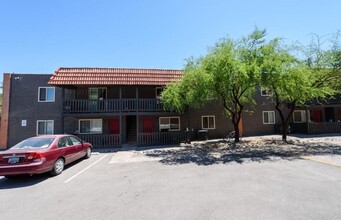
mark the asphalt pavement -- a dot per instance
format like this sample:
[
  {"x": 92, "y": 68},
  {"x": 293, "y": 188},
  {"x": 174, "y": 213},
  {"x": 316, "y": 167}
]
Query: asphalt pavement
[{"x": 121, "y": 185}]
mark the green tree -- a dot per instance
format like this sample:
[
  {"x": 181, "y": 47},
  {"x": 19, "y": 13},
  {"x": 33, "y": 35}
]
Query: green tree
[
  {"x": 295, "y": 82},
  {"x": 229, "y": 73}
]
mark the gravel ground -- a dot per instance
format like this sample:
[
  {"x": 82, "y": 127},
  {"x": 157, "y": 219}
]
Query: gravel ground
[{"x": 260, "y": 148}]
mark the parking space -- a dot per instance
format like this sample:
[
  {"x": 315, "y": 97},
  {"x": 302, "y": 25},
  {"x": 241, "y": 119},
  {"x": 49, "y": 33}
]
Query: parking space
[
  {"x": 80, "y": 167},
  {"x": 70, "y": 172},
  {"x": 135, "y": 185}
]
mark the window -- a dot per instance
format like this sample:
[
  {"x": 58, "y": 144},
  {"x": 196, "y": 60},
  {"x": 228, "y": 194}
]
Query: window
[
  {"x": 299, "y": 116},
  {"x": 64, "y": 142},
  {"x": 266, "y": 92},
  {"x": 97, "y": 93},
  {"x": 46, "y": 94},
  {"x": 90, "y": 126},
  {"x": 33, "y": 143},
  {"x": 158, "y": 91},
  {"x": 268, "y": 117},
  {"x": 45, "y": 127},
  {"x": 169, "y": 123},
  {"x": 208, "y": 122},
  {"x": 75, "y": 141}
]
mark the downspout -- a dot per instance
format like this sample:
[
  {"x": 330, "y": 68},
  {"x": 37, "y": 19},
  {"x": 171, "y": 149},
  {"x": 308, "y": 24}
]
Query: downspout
[{"x": 4, "y": 128}]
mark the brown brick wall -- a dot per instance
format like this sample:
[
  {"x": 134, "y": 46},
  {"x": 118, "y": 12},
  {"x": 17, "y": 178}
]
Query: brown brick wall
[{"x": 5, "y": 110}]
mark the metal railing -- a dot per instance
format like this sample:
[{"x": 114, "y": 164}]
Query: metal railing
[{"x": 112, "y": 105}]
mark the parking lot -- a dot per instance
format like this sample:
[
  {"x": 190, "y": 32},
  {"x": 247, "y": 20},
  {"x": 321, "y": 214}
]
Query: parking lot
[{"x": 133, "y": 185}]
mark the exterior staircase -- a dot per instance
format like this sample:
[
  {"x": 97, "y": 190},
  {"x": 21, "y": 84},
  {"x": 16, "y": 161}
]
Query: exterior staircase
[{"x": 131, "y": 130}]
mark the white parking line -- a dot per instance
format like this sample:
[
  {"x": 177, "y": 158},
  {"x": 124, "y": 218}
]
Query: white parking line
[
  {"x": 74, "y": 176},
  {"x": 316, "y": 159}
]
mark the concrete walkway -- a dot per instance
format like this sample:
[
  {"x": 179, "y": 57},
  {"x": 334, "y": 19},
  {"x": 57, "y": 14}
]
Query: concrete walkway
[
  {"x": 137, "y": 154},
  {"x": 124, "y": 155}
]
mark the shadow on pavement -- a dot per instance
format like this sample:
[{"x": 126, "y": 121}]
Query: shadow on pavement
[
  {"x": 223, "y": 153},
  {"x": 22, "y": 181}
]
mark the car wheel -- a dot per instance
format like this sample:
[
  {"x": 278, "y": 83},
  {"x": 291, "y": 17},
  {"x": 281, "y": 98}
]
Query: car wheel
[
  {"x": 88, "y": 153},
  {"x": 58, "y": 167}
]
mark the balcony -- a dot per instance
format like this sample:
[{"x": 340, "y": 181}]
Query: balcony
[{"x": 112, "y": 105}]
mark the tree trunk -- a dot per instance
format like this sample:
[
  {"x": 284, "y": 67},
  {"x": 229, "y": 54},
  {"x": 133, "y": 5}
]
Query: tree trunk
[
  {"x": 235, "y": 122},
  {"x": 285, "y": 120},
  {"x": 236, "y": 114},
  {"x": 236, "y": 135},
  {"x": 285, "y": 131}
]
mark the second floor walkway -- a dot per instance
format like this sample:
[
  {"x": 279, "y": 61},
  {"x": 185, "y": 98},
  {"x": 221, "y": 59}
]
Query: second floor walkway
[{"x": 112, "y": 105}]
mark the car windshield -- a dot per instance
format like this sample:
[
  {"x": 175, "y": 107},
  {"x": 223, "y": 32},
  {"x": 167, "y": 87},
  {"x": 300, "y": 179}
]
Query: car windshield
[{"x": 34, "y": 143}]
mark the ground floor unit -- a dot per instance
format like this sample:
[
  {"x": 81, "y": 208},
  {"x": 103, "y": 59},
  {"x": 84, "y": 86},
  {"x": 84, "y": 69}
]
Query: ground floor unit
[
  {"x": 144, "y": 130},
  {"x": 112, "y": 130},
  {"x": 317, "y": 120}
]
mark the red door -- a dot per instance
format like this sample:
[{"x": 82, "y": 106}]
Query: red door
[
  {"x": 114, "y": 126},
  {"x": 316, "y": 115},
  {"x": 147, "y": 124}
]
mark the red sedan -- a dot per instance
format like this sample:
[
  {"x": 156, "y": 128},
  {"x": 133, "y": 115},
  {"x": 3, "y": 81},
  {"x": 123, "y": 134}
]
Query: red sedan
[{"x": 46, "y": 153}]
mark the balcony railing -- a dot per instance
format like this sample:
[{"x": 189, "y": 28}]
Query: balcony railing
[
  {"x": 102, "y": 140},
  {"x": 161, "y": 138},
  {"x": 316, "y": 127},
  {"x": 143, "y": 139},
  {"x": 112, "y": 105},
  {"x": 324, "y": 127}
]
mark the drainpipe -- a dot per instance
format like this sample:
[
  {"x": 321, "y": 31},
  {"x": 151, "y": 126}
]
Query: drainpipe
[{"x": 5, "y": 111}]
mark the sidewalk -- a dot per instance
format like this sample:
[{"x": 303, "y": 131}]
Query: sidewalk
[
  {"x": 137, "y": 154},
  {"x": 123, "y": 155}
]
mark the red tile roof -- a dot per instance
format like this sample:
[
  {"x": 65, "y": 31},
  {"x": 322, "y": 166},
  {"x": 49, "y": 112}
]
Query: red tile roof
[{"x": 113, "y": 76}]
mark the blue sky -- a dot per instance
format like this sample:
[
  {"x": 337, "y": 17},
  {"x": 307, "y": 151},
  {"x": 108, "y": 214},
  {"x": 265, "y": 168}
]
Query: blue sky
[{"x": 38, "y": 36}]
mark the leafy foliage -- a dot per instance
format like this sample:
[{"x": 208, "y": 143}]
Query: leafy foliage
[
  {"x": 295, "y": 82},
  {"x": 228, "y": 73},
  {"x": 232, "y": 70}
]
